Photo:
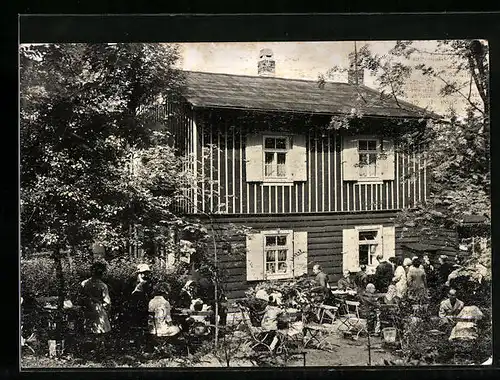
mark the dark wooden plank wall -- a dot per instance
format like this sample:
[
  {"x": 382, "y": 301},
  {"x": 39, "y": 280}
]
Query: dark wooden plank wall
[
  {"x": 324, "y": 235},
  {"x": 220, "y": 159}
]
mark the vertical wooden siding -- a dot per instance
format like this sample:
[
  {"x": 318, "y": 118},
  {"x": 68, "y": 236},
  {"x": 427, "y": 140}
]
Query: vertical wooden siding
[{"x": 225, "y": 179}]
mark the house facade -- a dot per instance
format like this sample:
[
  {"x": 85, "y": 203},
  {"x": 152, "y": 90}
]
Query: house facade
[{"x": 263, "y": 155}]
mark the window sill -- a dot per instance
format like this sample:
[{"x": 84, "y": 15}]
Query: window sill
[
  {"x": 373, "y": 181},
  {"x": 277, "y": 183},
  {"x": 283, "y": 276}
]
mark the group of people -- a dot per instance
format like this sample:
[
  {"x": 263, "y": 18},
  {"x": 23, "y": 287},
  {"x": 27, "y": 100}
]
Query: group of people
[
  {"x": 399, "y": 278},
  {"x": 147, "y": 306},
  {"x": 415, "y": 280}
]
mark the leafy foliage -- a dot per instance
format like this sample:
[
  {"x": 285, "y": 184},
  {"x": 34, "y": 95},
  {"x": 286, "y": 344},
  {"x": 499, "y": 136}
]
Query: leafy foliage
[{"x": 83, "y": 120}]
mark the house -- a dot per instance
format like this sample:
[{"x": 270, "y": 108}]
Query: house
[{"x": 264, "y": 156}]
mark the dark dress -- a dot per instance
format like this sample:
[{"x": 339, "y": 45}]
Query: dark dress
[
  {"x": 206, "y": 291},
  {"x": 137, "y": 314},
  {"x": 383, "y": 276}
]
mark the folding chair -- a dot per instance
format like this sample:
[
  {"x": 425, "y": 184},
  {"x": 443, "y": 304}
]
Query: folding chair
[
  {"x": 318, "y": 335},
  {"x": 257, "y": 334},
  {"x": 327, "y": 313},
  {"x": 352, "y": 319}
]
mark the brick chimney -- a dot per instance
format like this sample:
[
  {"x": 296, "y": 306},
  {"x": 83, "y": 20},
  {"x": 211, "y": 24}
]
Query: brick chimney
[
  {"x": 266, "y": 66},
  {"x": 355, "y": 75}
]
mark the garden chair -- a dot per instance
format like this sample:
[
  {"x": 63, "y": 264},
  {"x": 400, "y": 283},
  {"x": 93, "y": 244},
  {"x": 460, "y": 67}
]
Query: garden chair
[
  {"x": 327, "y": 313},
  {"x": 257, "y": 334},
  {"x": 352, "y": 320}
]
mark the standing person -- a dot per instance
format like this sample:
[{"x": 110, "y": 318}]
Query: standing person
[
  {"x": 383, "y": 274},
  {"x": 417, "y": 282},
  {"x": 399, "y": 279},
  {"x": 139, "y": 293},
  {"x": 444, "y": 270},
  {"x": 392, "y": 261},
  {"x": 96, "y": 303},
  {"x": 407, "y": 264}
]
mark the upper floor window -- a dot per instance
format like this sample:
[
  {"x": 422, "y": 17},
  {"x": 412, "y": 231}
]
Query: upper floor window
[
  {"x": 275, "y": 157},
  {"x": 368, "y": 158},
  {"x": 367, "y": 150}
]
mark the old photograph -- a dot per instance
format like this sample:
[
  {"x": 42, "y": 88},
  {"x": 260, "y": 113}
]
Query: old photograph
[{"x": 255, "y": 204}]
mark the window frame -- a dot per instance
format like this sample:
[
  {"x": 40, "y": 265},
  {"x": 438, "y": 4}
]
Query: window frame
[
  {"x": 287, "y": 178},
  {"x": 378, "y": 241},
  {"x": 289, "y": 255},
  {"x": 368, "y": 153}
]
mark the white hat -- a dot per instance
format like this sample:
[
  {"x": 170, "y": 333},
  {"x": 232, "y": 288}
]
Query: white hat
[
  {"x": 141, "y": 268},
  {"x": 262, "y": 295}
]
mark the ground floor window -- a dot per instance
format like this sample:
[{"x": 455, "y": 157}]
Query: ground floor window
[{"x": 276, "y": 254}]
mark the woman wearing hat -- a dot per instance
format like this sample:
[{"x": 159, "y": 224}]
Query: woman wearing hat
[{"x": 139, "y": 293}]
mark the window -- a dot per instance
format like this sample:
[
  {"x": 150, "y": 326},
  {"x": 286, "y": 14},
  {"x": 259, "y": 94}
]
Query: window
[
  {"x": 271, "y": 158},
  {"x": 362, "y": 244},
  {"x": 367, "y": 151},
  {"x": 275, "y": 157},
  {"x": 367, "y": 247},
  {"x": 368, "y": 159},
  {"x": 276, "y": 254}
]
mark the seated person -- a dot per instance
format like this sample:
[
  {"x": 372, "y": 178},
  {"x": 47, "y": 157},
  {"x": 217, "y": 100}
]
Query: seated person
[
  {"x": 391, "y": 297},
  {"x": 466, "y": 326},
  {"x": 361, "y": 279},
  {"x": 369, "y": 308},
  {"x": 320, "y": 290},
  {"x": 346, "y": 282},
  {"x": 199, "y": 324},
  {"x": 450, "y": 308},
  {"x": 270, "y": 321},
  {"x": 160, "y": 320},
  {"x": 187, "y": 295},
  {"x": 257, "y": 306}
]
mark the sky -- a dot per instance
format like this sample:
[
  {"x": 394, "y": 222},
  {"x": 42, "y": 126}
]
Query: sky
[{"x": 306, "y": 60}]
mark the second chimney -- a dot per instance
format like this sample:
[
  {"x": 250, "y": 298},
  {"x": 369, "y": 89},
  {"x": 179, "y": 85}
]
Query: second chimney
[
  {"x": 266, "y": 66},
  {"x": 356, "y": 73}
]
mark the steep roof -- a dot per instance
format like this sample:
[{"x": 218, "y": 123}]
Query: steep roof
[{"x": 213, "y": 90}]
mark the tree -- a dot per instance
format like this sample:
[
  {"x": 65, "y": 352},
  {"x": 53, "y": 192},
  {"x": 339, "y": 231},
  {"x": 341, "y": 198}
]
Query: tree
[
  {"x": 84, "y": 121},
  {"x": 456, "y": 146}
]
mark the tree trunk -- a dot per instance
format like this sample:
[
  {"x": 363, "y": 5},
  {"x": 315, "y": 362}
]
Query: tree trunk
[{"x": 59, "y": 276}]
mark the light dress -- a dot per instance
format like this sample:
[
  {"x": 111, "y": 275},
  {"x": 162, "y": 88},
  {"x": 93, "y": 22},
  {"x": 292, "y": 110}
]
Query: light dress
[
  {"x": 400, "y": 281},
  {"x": 97, "y": 300},
  {"x": 160, "y": 321}
]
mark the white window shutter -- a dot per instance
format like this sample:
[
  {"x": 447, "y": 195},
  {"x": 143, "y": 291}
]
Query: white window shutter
[
  {"x": 255, "y": 257},
  {"x": 297, "y": 158},
  {"x": 385, "y": 161},
  {"x": 254, "y": 153},
  {"x": 299, "y": 253},
  {"x": 389, "y": 241},
  {"x": 350, "y": 158},
  {"x": 350, "y": 252}
]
